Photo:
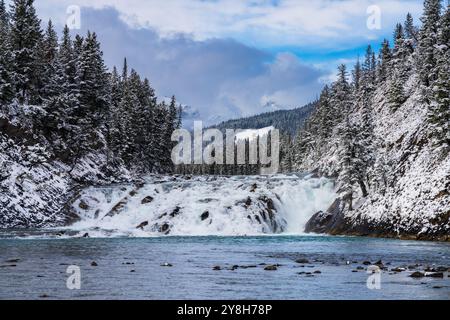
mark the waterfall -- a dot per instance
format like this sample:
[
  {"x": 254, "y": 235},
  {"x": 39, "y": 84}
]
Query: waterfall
[{"x": 203, "y": 206}]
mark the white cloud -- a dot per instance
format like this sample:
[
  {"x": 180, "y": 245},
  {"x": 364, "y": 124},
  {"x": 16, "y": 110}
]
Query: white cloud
[{"x": 264, "y": 22}]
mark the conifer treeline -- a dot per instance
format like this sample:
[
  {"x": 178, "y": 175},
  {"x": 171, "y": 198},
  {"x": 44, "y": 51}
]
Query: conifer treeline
[
  {"x": 85, "y": 108},
  {"x": 422, "y": 53}
]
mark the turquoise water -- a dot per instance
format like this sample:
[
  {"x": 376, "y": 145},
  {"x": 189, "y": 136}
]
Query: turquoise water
[{"x": 130, "y": 268}]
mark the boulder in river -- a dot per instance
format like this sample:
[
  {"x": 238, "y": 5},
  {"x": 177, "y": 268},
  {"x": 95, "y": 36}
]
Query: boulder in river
[
  {"x": 417, "y": 274},
  {"x": 434, "y": 274},
  {"x": 205, "y": 215},
  {"x": 142, "y": 225},
  {"x": 166, "y": 265},
  {"x": 175, "y": 212},
  {"x": 12, "y": 260},
  {"x": 271, "y": 268},
  {"x": 83, "y": 205},
  {"x": 147, "y": 200},
  {"x": 302, "y": 261}
]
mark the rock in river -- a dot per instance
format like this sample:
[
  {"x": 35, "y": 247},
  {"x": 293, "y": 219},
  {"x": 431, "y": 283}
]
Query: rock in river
[
  {"x": 271, "y": 268},
  {"x": 417, "y": 274}
]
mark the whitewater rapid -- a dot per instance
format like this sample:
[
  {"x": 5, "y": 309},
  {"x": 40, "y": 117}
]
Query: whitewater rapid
[{"x": 202, "y": 206}]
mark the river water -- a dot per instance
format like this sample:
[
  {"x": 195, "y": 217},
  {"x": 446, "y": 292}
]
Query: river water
[{"x": 135, "y": 268}]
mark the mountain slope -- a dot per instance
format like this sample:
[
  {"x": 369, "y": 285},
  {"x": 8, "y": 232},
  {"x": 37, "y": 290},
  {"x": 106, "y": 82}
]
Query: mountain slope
[
  {"x": 416, "y": 201},
  {"x": 287, "y": 121}
]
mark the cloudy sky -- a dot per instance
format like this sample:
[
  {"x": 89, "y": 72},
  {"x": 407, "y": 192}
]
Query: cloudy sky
[{"x": 230, "y": 58}]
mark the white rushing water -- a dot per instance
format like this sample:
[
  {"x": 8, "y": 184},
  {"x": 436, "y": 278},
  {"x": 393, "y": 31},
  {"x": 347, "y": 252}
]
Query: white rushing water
[{"x": 203, "y": 206}]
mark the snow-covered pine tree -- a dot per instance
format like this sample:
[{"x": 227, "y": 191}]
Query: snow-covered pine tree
[
  {"x": 160, "y": 143},
  {"x": 369, "y": 75},
  {"x": 286, "y": 153},
  {"x": 364, "y": 134},
  {"x": 67, "y": 64},
  {"x": 411, "y": 31},
  {"x": 25, "y": 38},
  {"x": 325, "y": 114},
  {"x": 49, "y": 65},
  {"x": 93, "y": 94},
  {"x": 127, "y": 105},
  {"x": 401, "y": 53},
  {"x": 346, "y": 152},
  {"x": 171, "y": 121},
  {"x": 6, "y": 76},
  {"x": 93, "y": 82},
  {"x": 115, "y": 116},
  {"x": 381, "y": 173},
  {"x": 341, "y": 96},
  {"x": 357, "y": 74},
  {"x": 137, "y": 110},
  {"x": 384, "y": 61},
  {"x": 395, "y": 94},
  {"x": 428, "y": 38},
  {"x": 148, "y": 100},
  {"x": 439, "y": 108}
]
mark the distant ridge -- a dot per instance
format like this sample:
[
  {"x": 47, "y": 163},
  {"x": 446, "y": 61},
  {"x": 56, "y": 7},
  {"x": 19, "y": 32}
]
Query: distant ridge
[{"x": 287, "y": 121}]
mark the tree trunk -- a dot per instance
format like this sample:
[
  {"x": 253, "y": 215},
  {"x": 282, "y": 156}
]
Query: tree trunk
[{"x": 363, "y": 188}]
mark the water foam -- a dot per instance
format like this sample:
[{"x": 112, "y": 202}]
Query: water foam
[{"x": 203, "y": 206}]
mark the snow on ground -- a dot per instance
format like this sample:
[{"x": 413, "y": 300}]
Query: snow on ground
[
  {"x": 417, "y": 199},
  {"x": 252, "y": 134}
]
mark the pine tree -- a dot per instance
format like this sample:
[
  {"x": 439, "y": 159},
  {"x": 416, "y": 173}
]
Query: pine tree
[
  {"x": 428, "y": 37},
  {"x": 149, "y": 103},
  {"x": 357, "y": 74},
  {"x": 114, "y": 133},
  {"x": 398, "y": 34},
  {"x": 325, "y": 114},
  {"x": 411, "y": 32},
  {"x": 26, "y": 37},
  {"x": 341, "y": 95},
  {"x": 439, "y": 109},
  {"x": 48, "y": 54},
  {"x": 385, "y": 58},
  {"x": 368, "y": 71},
  {"x": 127, "y": 112},
  {"x": 347, "y": 175},
  {"x": 137, "y": 109},
  {"x": 171, "y": 125},
  {"x": 401, "y": 52},
  {"x": 93, "y": 81},
  {"x": 6, "y": 76},
  {"x": 395, "y": 94},
  {"x": 67, "y": 65}
]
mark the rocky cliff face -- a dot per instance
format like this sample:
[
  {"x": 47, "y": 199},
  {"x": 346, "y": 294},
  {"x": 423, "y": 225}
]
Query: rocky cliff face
[
  {"x": 34, "y": 186},
  {"x": 416, "y": 200}
]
